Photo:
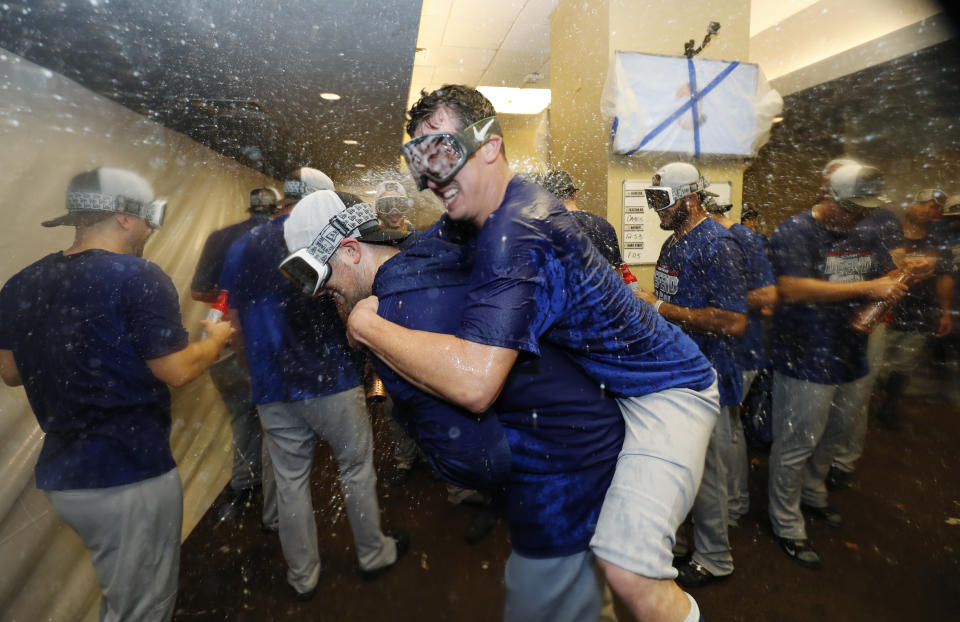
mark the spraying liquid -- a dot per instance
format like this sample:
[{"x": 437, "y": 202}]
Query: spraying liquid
[{"x": 217, "y": 309}]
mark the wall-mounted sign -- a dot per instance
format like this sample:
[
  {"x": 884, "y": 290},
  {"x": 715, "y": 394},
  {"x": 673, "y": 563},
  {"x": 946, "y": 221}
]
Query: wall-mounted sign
[{"x": 641, "y": 236}]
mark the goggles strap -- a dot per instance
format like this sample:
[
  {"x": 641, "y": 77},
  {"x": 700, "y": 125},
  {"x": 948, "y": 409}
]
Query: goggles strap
[{"x": 328, "y": 240}]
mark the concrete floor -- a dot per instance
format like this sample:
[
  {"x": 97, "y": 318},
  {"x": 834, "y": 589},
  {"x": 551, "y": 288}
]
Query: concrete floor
[{"x": 897, "y": 558}]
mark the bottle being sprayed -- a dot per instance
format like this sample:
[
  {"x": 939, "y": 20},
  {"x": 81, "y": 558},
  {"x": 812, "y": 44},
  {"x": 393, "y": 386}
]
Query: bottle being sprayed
[
  {"x": 869, "y": 316},
  {"x": 628, "y": 278},
  {"x": 217, "y": 309}
]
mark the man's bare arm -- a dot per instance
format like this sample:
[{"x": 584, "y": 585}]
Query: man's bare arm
[
  {"x": 804, "y": 289},
  {"x": 181, "y": 367},
  {"x": 706, "y": 320},
  {"x": 8, "y": 369},
  {"x": 762, "y": 298},
  {"x": 470, "y": 375}
]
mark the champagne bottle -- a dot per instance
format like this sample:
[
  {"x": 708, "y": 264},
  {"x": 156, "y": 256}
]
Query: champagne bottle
[
  {"x": 217, "y": 309},
  {"x": 628, "y": 277},
  {"x": 873, "y": 312}
]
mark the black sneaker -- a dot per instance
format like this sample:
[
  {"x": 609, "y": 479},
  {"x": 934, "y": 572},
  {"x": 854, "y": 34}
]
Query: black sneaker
[
  {"x": 837, "y": 479},
  {"x": 303, "y": 597},
  {"x": 827, "y": 514},
  {"x": 403, "y": 545},
  {"x": 692, "y": 574},
  {"x": 801, "y": 552}
]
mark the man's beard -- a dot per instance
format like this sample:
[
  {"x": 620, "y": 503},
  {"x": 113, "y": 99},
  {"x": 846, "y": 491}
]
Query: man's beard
[{"x": 680, "y": 215}]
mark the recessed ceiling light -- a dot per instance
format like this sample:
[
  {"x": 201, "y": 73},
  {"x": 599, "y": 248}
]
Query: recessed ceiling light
[
  {"x": 329, "y": 96},
  {"x": 350, "y": 142},
  {"x": 516, "y": 101},
  {"x": 370, "y": 192},
  {"x": 358, "y": 165}
]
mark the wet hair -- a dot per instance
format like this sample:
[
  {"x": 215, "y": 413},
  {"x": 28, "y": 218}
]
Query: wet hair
[{"x": 468, "y": 106}]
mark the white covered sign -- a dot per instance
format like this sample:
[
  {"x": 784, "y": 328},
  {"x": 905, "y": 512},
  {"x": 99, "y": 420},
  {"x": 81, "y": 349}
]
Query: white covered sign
[{"x": 672, "y": 104}]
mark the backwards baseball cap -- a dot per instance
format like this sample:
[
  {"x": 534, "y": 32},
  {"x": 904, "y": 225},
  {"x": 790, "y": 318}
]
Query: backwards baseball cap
[
  {"x": 314, "y": 231},
  {"x": 951, "y": 206},
  {"x": 264, "y": 200},
  {"x": 560, "y": 183},
  {"x": 857, "y": 184},
  {"x": 673, "y": 182},
  {"x": 931, "y": 194},
  {"x": 303, "y": 181},
  {"x": 109, "y": 190},
  {"x": 748, "y": 213},
  {"x": 711, "y": 204}
]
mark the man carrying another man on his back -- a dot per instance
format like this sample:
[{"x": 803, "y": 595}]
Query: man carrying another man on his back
[{"x": 536, "y": 277}]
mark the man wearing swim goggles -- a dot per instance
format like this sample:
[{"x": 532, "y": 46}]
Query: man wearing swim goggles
[
  {"x": 536, "y": 276},
  {"x": 309, "y": 266},
  {"x": 438, "y": 157},
  {"x": 392, "y": 205}
]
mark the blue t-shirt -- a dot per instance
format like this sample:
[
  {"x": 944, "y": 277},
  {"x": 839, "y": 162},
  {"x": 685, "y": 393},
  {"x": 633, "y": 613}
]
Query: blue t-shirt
[
  {"x": 602, "y": 235},
  {"x": 207, "y": 275},
  {"x": 814, "y": 341},
  {"x": 537, "y": 277},
  {"x": 751, "y": 353},
  {"x": 563, "y": 434},
  {"x": 705, "y": 268},
  {"x": 918, "y": 310},
  {"x": 81, "y": 328},
  {"x": 296, "y": 345}
]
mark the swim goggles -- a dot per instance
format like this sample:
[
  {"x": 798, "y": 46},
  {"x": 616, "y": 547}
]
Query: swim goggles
[{"x": 438, "y": 157}]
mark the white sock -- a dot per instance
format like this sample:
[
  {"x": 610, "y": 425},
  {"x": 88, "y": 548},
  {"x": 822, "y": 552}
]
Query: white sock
[{"x": 694, "y": 614}]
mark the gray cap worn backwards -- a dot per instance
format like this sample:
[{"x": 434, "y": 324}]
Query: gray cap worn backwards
[
  {"x": 103, "y": 191},
  {"x": 303, "y": 181},
  {"x": 314, "y": 212}
]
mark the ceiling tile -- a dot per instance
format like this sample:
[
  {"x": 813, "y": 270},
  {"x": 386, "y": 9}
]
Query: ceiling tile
[
  {"x": 476, "y": 33},
  {"x": 468, "y": 58},
  {"x": 537, "y": 11},
  {"x": 512, "y": 68},
  {"x": 503, "y": 9},
  {"x": 455, "y": 75},
  {"x": 528, "y": 37},
  {"x": 436, "y": 7}
]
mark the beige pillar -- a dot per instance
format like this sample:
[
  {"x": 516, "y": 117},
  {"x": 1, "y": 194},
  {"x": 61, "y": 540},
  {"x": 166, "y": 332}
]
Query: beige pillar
[{"x": 583, "y": 39}]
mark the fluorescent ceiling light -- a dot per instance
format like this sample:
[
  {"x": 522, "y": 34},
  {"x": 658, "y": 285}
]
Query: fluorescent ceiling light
[
  {"x": 516, "y": 101},
  {"x": 350, "y": 142},
  {"x": 329, "y": 96}
]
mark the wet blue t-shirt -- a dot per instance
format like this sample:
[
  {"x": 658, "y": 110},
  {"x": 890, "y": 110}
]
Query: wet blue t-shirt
[
  {"x": 750, "y": 352},
  {"x": 705, "y": 268},
  {"x": 206, "y": 277},
  {"x": 81, "y": 328},
  {"x": 537, "y": 277},
  {"x": 814, "y": 342},
  {"x": 563, "y": 435},
  {"x": 296, "y": 345}
]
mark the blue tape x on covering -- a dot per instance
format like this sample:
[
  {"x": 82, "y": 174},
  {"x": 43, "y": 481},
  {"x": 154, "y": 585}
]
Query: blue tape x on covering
[{"x": 691, "y": 105}]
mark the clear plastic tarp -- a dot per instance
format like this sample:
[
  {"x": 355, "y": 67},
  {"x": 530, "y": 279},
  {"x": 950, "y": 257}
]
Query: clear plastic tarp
[{"x": 672, "y": 104}]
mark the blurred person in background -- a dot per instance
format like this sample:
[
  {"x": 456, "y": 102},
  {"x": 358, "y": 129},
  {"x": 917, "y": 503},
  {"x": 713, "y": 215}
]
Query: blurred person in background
[
  {"x": 307, "y": 386},
  {"x": 925, "y": 309},
  {"x": 93, "y": 333},
  {"x": 750, "y": 350},
  {"x": 826, "y": 267},
  {"x": 230, "y": 376}
]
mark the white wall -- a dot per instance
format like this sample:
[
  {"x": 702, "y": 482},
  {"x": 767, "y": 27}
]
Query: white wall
[{"x": 50, "y": 129}]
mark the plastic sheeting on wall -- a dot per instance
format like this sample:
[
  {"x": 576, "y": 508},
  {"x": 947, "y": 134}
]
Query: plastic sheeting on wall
[
  {"x": 672, "y": 104},
  {"x": 51, "y": 128}
]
